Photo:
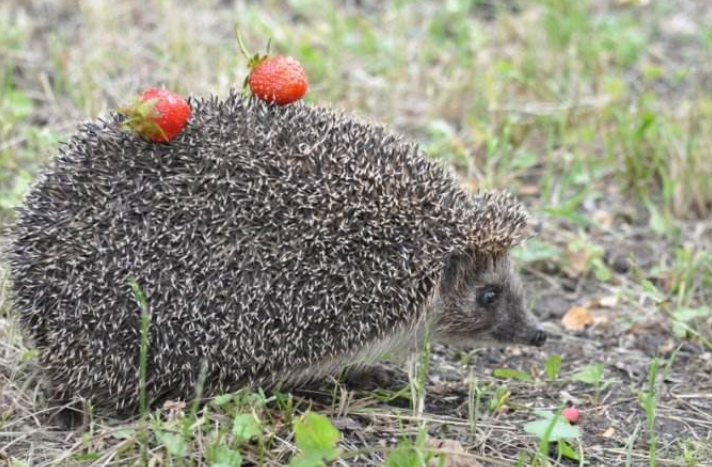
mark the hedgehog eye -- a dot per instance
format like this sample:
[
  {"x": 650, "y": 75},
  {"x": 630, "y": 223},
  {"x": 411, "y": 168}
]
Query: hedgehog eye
[{"x": 488, "y": 296}]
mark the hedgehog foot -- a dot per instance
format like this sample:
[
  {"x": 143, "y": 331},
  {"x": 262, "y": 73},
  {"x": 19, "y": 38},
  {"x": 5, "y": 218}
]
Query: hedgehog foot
[
  {"x": 67, "y": 416},
  {"x": 374, "y": 376}
]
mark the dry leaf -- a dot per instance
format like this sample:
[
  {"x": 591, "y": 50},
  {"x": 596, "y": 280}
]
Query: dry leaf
[
  {"x": 609, "y": 432},
  {"x": 515, "y": 351},
  {"x": 668, "y": 346},
  {"x": 529, "y": 190},
  {"x": 174, "y": 406},
  {"x": 600, "y": 320},
  {"x": 576, "y": 319},
  {"x": 647, "y": 327},
  {"x": 603, "y": 218},
  {"x": 156, "y": 459},
  {"x": 455, "y": 454},
  {"x": 576, "y": 262}
]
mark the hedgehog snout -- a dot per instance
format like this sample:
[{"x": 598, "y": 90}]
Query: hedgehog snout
[{"x": 529, "y": 332}]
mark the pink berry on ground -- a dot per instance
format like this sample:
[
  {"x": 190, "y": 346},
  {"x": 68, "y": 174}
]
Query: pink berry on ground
[{"x": 571, "y": 414}]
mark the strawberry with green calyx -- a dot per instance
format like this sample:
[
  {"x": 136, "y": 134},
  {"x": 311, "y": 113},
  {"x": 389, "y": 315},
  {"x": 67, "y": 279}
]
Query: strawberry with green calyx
[
  {"x": 279, "y": 79},
  {"x": 158, "y": 115}
]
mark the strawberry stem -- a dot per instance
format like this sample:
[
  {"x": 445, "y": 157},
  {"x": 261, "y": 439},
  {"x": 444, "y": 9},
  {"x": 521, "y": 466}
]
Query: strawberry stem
[{"x": 139, "y": 118}]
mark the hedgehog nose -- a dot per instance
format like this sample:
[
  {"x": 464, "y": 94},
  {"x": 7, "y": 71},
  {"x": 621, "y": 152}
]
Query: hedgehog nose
[{"x": 539, "y": 338}]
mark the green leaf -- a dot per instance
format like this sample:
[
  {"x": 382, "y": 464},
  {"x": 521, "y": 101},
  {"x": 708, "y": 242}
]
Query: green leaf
[
  {"x": 650, "y": 287},
  {"x": 592, "y": 374},
  {"x": 500, "y": 398},
  {"x": 561, "y": 429},
  {"x": 553, "y": 366},
  {"x": 174, "y": 444},
  {"x": 124, "y": 433},
  {"x": 508, "y": 373},
  {"x": 245, "y": 427},
  {"x": 652, "y": 290},
  {"x": 225, "y": 457},
  {"x": 19, "y": 104},
  {"x": 405, "y": 455},
  {"x": 441, "y": 129},
  {"x": 222, "y": 399},
  {"x": 28, "y": 355},
  {"x": 683, "y": 316},
  {"x": 314, "y": 433},
  {"x": 661, "y": 222},
  {"x": 535, "y": 251},
  {"x": 565, "y": 450},
  {"x": 307, "y": 459},
  {"x": 601, "y": 271},
  {"x": 523, "y": 160}
]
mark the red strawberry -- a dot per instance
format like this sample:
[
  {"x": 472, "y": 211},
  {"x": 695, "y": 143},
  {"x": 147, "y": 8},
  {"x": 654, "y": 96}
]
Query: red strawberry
[
  {"x": 279, "y": 79},
  {"x": 158, "y": 115}
]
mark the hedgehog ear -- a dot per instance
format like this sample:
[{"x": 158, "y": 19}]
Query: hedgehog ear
[{"x": 501, "y": 222}]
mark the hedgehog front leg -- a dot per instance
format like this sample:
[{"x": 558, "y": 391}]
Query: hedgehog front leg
[{"x": 373, "y": 376}]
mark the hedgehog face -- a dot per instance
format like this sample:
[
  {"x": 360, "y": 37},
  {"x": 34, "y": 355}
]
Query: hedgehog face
[{"x": 482, "y": 303}]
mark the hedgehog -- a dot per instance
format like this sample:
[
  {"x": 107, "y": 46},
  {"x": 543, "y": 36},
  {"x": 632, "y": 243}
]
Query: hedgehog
[{"x": 274, "y": 245}]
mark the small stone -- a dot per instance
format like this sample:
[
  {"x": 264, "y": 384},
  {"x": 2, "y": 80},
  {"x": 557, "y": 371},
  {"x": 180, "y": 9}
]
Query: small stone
[{"x": 620, "y": 264}]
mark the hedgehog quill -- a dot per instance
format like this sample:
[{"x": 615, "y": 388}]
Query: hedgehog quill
[{"x": 274, "y": 245}]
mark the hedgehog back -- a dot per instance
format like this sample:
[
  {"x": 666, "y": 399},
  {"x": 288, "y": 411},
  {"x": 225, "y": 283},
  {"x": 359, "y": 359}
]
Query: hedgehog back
[{"x": 266, "y": 239}]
